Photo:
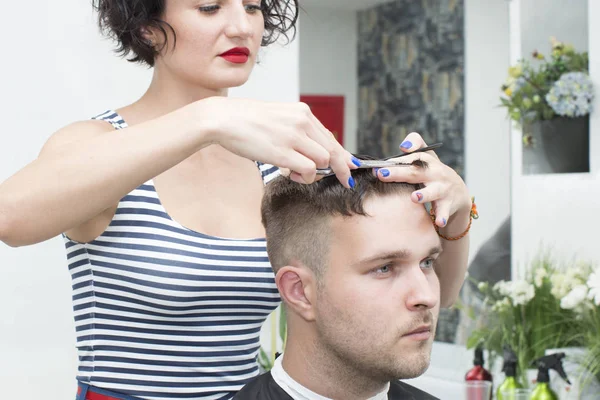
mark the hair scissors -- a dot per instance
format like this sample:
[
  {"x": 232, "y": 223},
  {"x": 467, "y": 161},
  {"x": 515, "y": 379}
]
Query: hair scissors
[{"x": 385, "y": 162}]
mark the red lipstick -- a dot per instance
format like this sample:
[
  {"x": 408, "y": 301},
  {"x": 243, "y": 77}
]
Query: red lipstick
[{"x": 236, "y": 55}]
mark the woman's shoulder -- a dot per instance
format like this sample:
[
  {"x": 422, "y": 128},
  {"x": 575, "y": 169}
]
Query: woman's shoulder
[{"x": 75, "y": 132}]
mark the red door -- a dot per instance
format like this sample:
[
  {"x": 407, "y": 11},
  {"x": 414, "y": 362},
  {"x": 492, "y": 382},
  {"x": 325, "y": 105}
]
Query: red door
[{"x": 330, "y": 111}]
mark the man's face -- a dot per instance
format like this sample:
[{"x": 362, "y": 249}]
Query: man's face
[{"x": 379, "y": 286}]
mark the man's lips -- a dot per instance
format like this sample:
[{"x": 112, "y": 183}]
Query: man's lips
[{"x": 422, "y": 331}]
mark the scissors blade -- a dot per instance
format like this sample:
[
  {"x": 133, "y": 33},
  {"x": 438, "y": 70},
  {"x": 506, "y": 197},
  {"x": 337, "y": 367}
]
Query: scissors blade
[
  {"x": 368, "y": 164},
  {"x": 386, "y": 162}
]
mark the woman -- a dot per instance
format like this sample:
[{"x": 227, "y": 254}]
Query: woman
[{"x": 159, "y": 202}]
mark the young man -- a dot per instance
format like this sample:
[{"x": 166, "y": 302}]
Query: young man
[{"x": 356, "y": 271}]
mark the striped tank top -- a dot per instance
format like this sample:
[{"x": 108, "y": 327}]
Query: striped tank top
[{"x": 164, "y": 312}]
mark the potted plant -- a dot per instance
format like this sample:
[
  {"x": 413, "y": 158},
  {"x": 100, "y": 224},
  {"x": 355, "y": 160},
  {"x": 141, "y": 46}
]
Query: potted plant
[
  {"x": 550, "y": 98},
  {"x": 553, "y": 307},
  {"x": 584, "y": 362}
]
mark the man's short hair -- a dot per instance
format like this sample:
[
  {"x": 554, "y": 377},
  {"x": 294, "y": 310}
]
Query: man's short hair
[{"x": 297, "y": 217}]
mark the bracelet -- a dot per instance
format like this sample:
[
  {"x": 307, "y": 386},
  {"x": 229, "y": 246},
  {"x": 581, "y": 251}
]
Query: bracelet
[{"x": 472, "y": 215}]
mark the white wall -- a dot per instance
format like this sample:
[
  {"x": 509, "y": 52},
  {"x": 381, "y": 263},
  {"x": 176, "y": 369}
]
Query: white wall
[
  {"x": 328, "y": 60},
  {"x": 56, "y": 69},
  {"x": 487, "y": 131},
  {"x": 557, "y": 211}
]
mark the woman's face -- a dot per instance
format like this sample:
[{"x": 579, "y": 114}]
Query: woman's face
[{"x": 217, "y": 42}]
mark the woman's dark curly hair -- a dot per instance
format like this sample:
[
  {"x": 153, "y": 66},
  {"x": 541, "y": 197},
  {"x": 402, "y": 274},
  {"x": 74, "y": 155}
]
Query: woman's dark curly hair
[{"x": 125, "y": 21}]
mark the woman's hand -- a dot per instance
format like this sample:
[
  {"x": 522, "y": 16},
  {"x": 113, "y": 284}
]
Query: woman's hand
[
  {"x": 287, "y": 135},
  {"x": 443, "y": 187}
]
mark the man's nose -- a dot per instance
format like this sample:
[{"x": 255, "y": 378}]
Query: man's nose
[
  {"x": 238, "y": 23},
  {"x": 423, "y": 291}
]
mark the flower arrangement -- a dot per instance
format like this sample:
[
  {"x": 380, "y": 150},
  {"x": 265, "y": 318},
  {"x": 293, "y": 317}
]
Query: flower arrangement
[
  {"x": 547, "y": 87},
  {"x": 553, "y": 307}
]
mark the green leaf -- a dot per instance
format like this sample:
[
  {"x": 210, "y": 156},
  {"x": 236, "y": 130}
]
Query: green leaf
[
  {"x": 263, "y": 360},
  {"x": 475, "y": 338}
]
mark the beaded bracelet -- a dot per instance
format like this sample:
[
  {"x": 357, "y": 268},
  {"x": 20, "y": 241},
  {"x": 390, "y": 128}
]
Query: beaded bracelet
[{"x": 472, "y": 215}]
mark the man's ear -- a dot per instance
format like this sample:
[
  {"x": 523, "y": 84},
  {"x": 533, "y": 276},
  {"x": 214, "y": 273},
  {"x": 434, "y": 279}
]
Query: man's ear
[{"x": 297, "y": 288}]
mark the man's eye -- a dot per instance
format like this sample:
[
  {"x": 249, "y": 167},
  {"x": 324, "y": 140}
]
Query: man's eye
[
  {"x": 386, "y": 269},
  {"x": 209, "y": 9},
  {"x": 427, "y": 264}
]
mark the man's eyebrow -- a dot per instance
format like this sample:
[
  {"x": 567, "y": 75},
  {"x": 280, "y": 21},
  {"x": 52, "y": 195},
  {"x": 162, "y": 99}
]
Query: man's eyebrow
[{"x": 395, "y": 255}]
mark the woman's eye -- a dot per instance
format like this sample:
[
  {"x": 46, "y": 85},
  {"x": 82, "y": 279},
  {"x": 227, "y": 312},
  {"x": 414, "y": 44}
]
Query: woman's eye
[
  {"x": 252, "y": 8},
  {"x": 209, "y": 9},
  {"x": 428, "y": 263}
]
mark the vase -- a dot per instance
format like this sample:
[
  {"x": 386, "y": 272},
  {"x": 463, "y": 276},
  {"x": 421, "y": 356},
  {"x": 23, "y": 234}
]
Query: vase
[
  {"x": 583, "y": 385},
  {"x": 558, "y": 145}
]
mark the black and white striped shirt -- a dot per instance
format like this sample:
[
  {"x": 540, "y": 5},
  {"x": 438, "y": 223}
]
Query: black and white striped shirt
[{"x": 164, "y": 312}]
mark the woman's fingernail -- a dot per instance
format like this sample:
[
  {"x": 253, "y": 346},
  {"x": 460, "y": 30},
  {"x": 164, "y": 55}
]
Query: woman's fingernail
[
  {"x": 376, "y": 171},
  {"x": 356, "y": 161},
  {"x": 384, "y": 172},
  {"x": 406, "y": 144},
  {"x": 351, "y": 182},
  {"x": 444, "y": 221},
  {"x": 420, "y": 196}
]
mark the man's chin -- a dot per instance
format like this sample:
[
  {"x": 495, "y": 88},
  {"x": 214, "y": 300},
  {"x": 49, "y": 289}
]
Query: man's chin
[
  {"x": 418, "y": 360},
  {"x": 417, "y": 370}
]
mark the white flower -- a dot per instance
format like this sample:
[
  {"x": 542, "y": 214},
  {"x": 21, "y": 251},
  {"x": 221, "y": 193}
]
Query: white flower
[
  {"x": 522, "y": 292},
  {"x": 482, "y": 286},
  {"x": 574, "y": 297},
  {"x": 502, "y": 305},
  {"x": 561, "y": 285},
  {"x": 503, "y": 288},
  {"x": 539, "y": 276},
  {"x": 576, "y": 274},
  {"x": 594, "y": 285}
]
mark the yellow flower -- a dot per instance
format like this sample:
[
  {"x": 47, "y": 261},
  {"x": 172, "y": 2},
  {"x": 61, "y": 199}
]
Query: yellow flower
[
  {"x": 568, "y": 49},
  {"x": 508, "y": 91},
  {"x": 539, "y": 56},
  {"x": 515, "y": 71}
]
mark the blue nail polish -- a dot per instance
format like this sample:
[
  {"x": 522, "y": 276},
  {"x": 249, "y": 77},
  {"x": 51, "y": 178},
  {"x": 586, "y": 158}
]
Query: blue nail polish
[
  {"x": 384, "y": 172},
  {"x": 444, "y": 221},
  {"x": 351, "y": 182},
  {"x": 406, "y": 145},
  {"x": 376, "y": 171},
  {"x": 356, "y": 161}
]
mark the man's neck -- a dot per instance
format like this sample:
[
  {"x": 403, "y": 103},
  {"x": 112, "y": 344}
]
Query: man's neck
[{"x": 315, "y": 369}]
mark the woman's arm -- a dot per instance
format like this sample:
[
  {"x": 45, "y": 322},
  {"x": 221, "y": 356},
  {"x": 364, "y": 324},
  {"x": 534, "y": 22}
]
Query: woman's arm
[
  {"x": 87, "y": 167},
  {"x": 454, "y": 259}
]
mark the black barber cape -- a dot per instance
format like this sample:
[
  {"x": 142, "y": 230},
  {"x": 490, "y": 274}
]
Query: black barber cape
[{"x": 264, "y": 387}]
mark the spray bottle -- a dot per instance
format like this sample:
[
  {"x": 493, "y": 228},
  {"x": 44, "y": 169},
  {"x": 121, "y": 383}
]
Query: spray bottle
[
  {"x": 478, "y": 373},
  {"x": 510, "y": 370},
  {"x": 541, "y": 390}
]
